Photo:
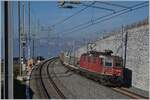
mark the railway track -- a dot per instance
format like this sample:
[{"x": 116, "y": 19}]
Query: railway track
[
  {"x": 126, "y": 92},
  {"x": 49, "y": 84},
  {"x": 54, "y": 85},
  {"x": 57, "y": 80},
  {"x": 51, "y": 90},
  {"x": 121, "y": 90}
]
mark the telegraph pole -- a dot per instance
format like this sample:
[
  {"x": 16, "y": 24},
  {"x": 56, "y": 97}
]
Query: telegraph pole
[
  {"x": 33, "y": 44},
  {"x": 74, "y": 50},
  {"x": 125, "y": 52},
  {"x": 122, "y": 44},
  {"x": 20, "y": 51},
  {"x": 23, "y": 38},
  {"x": 38, "y": 31},
  {"x": 29, "y": 31},
  {"x": 24, "y": 30},
  {"x": 8, "y": 35}
]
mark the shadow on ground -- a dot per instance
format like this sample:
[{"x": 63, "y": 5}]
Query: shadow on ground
[{"x": 20, "y": 90}]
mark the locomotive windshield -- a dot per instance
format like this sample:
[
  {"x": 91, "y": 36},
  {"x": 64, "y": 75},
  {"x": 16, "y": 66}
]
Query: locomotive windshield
[
  {"x": 118, "y": 62},
  {"x": 108, "y": 62}
]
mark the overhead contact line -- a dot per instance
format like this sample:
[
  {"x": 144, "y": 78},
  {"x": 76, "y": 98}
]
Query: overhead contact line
[{"x": 120, "y": 12}]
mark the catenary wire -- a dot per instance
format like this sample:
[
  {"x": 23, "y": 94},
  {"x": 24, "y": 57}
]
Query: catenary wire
[
  {"x": 107, "y": 15},
  {"x": 106, "y": 19},
  {"x": 62, "y": 21}
]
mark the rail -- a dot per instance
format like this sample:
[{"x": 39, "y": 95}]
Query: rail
[
  {"x": 46, "y": 64},
  {"x": 126, "y": 92},
  {"x": 42, "y": 82},
  {"x": 121, "y": 90},
  {"x": 54, "y": 85}
]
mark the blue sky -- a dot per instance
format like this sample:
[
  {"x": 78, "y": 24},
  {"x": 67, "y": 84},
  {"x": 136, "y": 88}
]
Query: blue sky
[{"x": 49, "y": 13}]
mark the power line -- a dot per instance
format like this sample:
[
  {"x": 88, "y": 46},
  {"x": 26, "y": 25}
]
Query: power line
[
  {"x": 104, "y": 15},
  {"x": 110, "y": 17},
  {"x": 19, "y": 31},
  {"x": 33, "y": 16},
  {"x": 92, "y": 7},
  {"x": 62, "y": 21},
  {"x": 112, "y": 10},
  {"x": 104, "y": 20},
  {"x": 88, "y": 22},
  {"x": 107, "y": 15},
  {"x": 112, "y": 4},
  {"x": 87, "y": 6}
]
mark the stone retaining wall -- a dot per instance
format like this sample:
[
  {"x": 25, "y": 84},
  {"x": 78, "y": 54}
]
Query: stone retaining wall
[{"x": 137, "y": 52}]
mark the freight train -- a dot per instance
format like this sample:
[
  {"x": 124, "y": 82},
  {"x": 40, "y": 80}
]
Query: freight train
[{"x": 103, "y": 67}]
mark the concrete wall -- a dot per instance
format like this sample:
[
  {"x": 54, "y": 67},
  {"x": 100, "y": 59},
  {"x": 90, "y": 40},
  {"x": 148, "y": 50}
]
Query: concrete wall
[{"x": 137, "y": 52}]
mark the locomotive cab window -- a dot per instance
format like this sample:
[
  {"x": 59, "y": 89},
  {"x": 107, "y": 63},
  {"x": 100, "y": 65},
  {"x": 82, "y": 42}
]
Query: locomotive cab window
[
  {"x": 108, "y": 62},
  {"x": 118, "y": 63},
  {"x": 94, "y": 59},
  {"x": 89, "y": 59},
  {"x": 84, "y": 58}
]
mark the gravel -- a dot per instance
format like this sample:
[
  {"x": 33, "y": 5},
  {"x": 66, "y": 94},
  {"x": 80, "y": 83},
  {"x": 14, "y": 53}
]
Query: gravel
[
  {"x": 74, "y": 86},
  {"x": 82, "y": 88}
]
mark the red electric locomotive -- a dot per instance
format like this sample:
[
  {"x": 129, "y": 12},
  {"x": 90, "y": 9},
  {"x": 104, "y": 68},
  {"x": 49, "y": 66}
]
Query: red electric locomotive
[{"x": 103, "y": 67}]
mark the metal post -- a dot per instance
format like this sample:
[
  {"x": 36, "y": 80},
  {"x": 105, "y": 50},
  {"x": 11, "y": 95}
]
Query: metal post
[
  {"x": 22, "y": 38},
  {"x": 19, "y": 36},
  {"x": 38, "y": 31},
  {"x": 8, "y": 82},
  {"x": 74, "y": 51},
  {"x": 29, "y": 31},
  {"x": 125, "y": 52},
  {"x": 49, "y": 48},
  {"x": 33, "y": 45},
  {"x": 122, "y": 43}
]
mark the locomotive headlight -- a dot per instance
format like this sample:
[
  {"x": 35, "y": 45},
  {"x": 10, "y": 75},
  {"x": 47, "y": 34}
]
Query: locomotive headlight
[{"x": 117, "y": 72}]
